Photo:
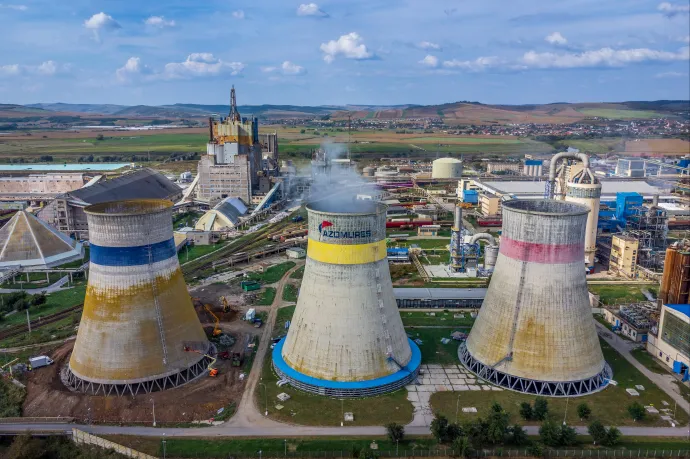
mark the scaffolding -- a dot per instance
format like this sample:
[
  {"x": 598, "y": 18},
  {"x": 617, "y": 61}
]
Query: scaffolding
[{"x": 649, "y": 225}]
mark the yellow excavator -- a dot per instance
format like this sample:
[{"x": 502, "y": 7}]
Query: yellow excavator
[
  {"x": 212, "y": 371},
  {"x": 9, "y": 364},
  {"x": 216, "y": 328}
]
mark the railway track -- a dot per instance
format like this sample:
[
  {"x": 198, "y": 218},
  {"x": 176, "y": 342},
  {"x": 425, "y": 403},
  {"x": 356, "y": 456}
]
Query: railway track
[{"x": 38, "y": 323}]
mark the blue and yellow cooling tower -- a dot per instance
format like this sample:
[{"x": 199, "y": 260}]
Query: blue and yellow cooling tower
[{"x": 138, "y": 323}]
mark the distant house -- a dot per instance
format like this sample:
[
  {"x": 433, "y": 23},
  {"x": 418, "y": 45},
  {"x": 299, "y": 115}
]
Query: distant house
[{"x": 66, "y": 212}]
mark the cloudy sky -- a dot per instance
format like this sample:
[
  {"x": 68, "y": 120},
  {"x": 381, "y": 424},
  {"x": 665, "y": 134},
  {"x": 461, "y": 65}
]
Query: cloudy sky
[{"x": 345, "y": 51}]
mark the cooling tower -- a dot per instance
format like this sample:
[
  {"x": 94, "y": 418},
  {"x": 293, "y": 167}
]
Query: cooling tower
[
  {"x": 535, "y": 332},
  {"x": 138, "y": 318},
  {"x": 346, "y": 338},
  {"x": 585, "y": 188}
]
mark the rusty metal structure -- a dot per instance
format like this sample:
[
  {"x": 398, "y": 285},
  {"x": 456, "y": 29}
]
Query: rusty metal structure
[
  {"x": 675, "y": 282},
  {"x": 346, "y": 338},
  {"x": 138, "y": 321},
  {"x": 535, "y": 332}
]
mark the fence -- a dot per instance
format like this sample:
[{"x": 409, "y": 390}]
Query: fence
[
  {"x": 79, "y": 436},
  {"x": 444, "y": 453}
]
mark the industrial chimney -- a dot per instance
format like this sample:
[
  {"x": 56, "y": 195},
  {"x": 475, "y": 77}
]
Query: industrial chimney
[
  {"x": 346, "y": 338},
  {"x": 535, "y": 332},
  {"x": 138, "y": 325}
]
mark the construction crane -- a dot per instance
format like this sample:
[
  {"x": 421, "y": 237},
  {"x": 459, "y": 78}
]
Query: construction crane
[
  {"x": 216, "y": 328},
  {"x": 9, "y": 364},
  {"x": 212, "y": 371}
]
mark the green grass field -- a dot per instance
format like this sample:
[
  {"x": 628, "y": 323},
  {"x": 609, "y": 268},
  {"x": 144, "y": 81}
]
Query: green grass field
[
  {"x": 433, "y": 351},
  {"x": 440, "y": 318},
  {"x": 290, "y": 293},
  {"x": 465, "y": 140},
  {"x": 609, "y": 406},
  {"x": 274, "y": 273},
  {"x": 55, "y": 302},
  {"x": 621, "y": 114},
  {"x": 283, "y": 315},
  {"x": 649, "y": 361},
  {"x": 298, "y": 273},
  {"x": 266, "y": 297},
  {"x": 189, "y": 253},
  {"x": 613, "y": 294}
]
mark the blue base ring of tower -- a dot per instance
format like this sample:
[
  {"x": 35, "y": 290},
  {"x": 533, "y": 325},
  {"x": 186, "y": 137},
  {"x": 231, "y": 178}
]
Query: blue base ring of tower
[
  {"x": 533, "y": 386},
  {"x": 348, "y": 389}
]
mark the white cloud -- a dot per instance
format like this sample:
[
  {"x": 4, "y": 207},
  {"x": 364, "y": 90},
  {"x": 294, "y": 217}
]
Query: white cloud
[
  {"x": 556, "y": 39},
  {"x": 426, "y": 45},
  {"x": 238, "y": 14},
  {"x": 477, "y": 65},
  {"x": 311, "y": 9},
  {"x": 604, "y": 57},
  {"x": 47, "y": 68},
  {"x": 685, "y": 39},
  {"x": 101, "y": 21},
  {"x": 290, "y": 68},
  {"x": 286, "y": 68},
  {"x": 351, "y": 46},
  {"x": 201, "y": 65},
  {"x": 131, "y": 69},
  {"x": 670, "y": 9},
  {"x": 671, "y": 75},
  {"x": 14, "y": 7},
  {"x": 429, "y": 61},
  {"x": 10, "y": 69},
  {"x": 160, "y": 22}
]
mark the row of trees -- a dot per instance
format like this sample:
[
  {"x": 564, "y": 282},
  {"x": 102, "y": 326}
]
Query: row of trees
[
  {"x": 496, "y": 430},
  {"x": 20, "y": 301}
]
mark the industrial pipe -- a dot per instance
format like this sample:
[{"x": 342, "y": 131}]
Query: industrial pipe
[
  {"x": 554, "y": 162},
  {"x": 490, "y": 251}
]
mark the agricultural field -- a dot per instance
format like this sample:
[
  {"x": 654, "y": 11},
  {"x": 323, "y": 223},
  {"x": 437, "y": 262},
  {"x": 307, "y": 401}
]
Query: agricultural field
[
  {"x": 617, "y": 294},
  {"x": 615, "y": 114}
]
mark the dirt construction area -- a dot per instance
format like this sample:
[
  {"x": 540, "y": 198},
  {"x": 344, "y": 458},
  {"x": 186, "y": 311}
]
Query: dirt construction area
[{"x": 198, "y": 400}]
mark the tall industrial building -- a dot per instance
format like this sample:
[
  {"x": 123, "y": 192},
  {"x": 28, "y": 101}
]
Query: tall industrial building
[
  {"x": 139, "y": 332},
  {"x": 346, "y": 338},
  {"x": 231, "y": 165},
  {"x": 585, "y": 188},
  {"x": 535, "y": 332},
  {"x": 675, "y": 282}
]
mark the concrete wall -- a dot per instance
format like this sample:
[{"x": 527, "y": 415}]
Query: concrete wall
[
  {"x": 537, "y": 306},
  {"x": 81, "y": 437},
  {"x": 44, "y": 183}
]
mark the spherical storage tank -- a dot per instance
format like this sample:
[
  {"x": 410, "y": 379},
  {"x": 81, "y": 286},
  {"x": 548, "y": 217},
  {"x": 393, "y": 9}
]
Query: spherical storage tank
[{"x": 446, "y": 168}]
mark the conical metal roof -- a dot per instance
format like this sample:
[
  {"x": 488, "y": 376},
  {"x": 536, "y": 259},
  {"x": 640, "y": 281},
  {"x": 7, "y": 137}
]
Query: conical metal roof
[{"x": 27, "y": 241}]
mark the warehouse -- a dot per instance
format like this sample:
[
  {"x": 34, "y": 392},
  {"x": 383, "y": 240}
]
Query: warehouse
[
  {"x": 523, "y": 189},
  {"x": 440, "y": 298}
]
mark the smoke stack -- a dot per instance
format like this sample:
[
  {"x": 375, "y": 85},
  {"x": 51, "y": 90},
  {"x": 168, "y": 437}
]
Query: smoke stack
[
  {"x": 457, "y": 222},
  {"x": 535, "y": 332},
  {"x": 655, "y": 200},
  {"x": 138, "y": 321},
  {"x": 346, "y": 338}
]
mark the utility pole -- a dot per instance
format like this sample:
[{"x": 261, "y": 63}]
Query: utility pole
[
  {"x": 28, "y": 320},
  {"x": 154, "y": 412},
  {"x": 349, "y": 126}
]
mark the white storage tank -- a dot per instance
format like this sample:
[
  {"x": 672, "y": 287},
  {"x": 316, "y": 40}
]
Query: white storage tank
[{"x": 446, "y": 168}]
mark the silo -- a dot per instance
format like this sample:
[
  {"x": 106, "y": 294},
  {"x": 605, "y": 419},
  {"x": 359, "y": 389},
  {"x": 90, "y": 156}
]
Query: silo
[
  {"x": 535, "y": 332},
  {"x": 139, "y": 331},
  {"x": 444, "y": 168},
  {"x": 346, "y": 338},
  {"x": 585, "y": 188}
]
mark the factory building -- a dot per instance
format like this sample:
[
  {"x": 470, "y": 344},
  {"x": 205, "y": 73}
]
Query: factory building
[
  {"x": 138, "y": 332},
  {"x": 633, "y": 321},
  {"x": 66, "y": 212},
  {"x": 634, "y": 168},
  {"x": 27, "y": 242},
  {"x": 226, "y": 214},
  {"x": 489, "y": 204},
  {"x": 346, "y": 338},
  {"x": 446, "y": 168},
  {"x": 41, "y": 183},
  {"x": 675, "y": 281},
  {"x": 492, "y": 167},
  {"x": 233, "y": 158},
  {"x": 534, "y": 332},
  {"x": 671, "y": 343},
  {"x": 439, "y": 298},
  {"x": 623, "y": 256},
  {"x": 528, "y": 189}
]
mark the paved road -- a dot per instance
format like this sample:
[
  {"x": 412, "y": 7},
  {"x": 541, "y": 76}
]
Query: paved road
[
  {"x": 284, "y": 430},
  {"x": 664, "y": 381},
  {"x": 35, "y": 291}
]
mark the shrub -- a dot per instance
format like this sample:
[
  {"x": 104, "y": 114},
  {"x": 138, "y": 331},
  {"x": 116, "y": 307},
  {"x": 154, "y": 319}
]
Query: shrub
[
  {"x": 568, "y": 436},
  {"x": 461, "y": 446},
  {"x": 536, "y": 450},
  {"x": 526, "y": 411},
  {"x": 613, "y": 437},
  {"x": 636, "y": 411},
  {"x": 597, "y": 431},
  {"x": 583, "y": 411},
  {"x": 518, "y": 436},
  {"x": 396, "y": 432},
  {"x": 550, "y": 434},
  {"x": 541, "y": 408}
]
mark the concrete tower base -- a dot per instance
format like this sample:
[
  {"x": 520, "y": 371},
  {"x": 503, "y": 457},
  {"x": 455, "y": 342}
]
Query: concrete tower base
[
  {"x": 348, "y": 389},
  {"x": 532, "y": 386}
]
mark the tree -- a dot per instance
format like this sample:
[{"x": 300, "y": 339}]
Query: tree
[
  {"x": 100, "y": 137},
  {"x": 636, "y": 411},
  {"x": 497, "y": 425},
  {"x": 583, "y": 411},
  {"x": 526, "y": 411},
  {"x": 597, "y": 431},
  {"x": 536, "y": 450},
  {"x": 38, "y": 300},
  {"x": 461, "y": 446},
  {"x": 439, "y": 427},
  {"x": 477, "y": 433},
  {"x": 541, "y": 408},
  {"x": 613, "y": 436},
  {"x": 396, "y": 432},
  {"x": 568, "y": 436},
  {"x": 452, "y": 432},
  {"x": 518, "y": 436},
  {"x": 550, "y": 434}
]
